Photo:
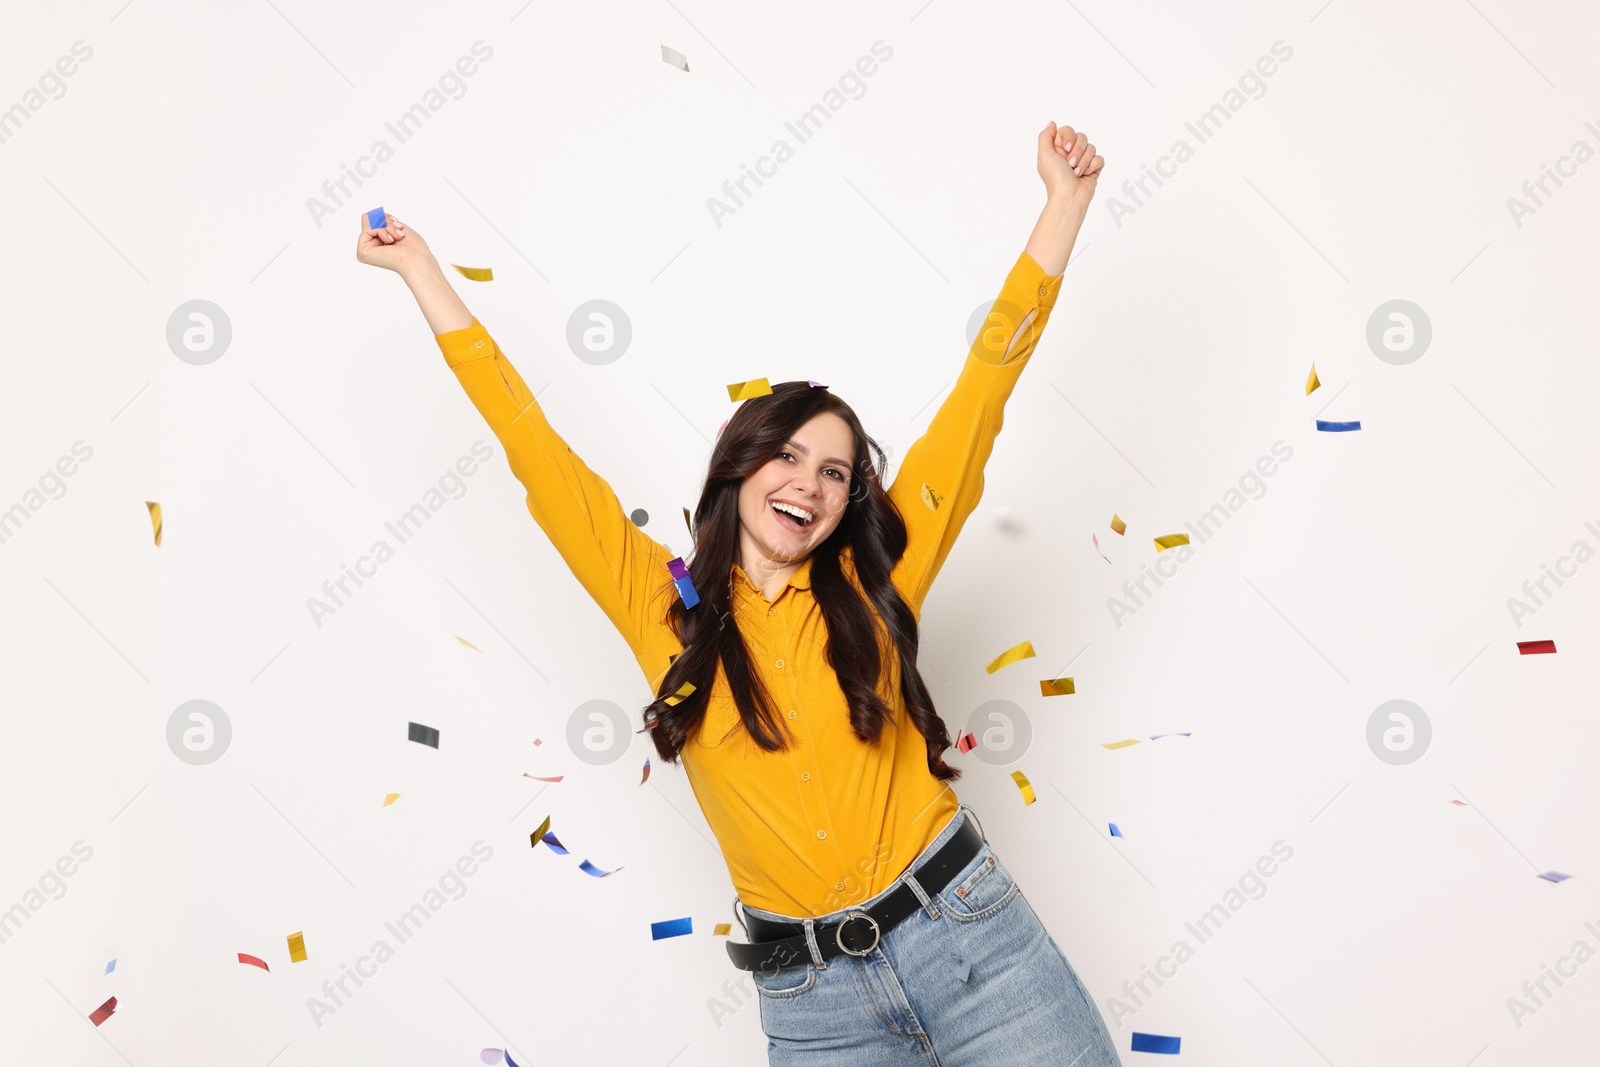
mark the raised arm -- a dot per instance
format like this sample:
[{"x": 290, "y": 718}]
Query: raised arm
[
  {"x": 622, "y": 568},
  {"x": 940, "y": 481}
]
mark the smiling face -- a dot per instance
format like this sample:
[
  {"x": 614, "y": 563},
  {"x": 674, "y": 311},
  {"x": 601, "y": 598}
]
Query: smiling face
[{"x": 812, "y": 471}]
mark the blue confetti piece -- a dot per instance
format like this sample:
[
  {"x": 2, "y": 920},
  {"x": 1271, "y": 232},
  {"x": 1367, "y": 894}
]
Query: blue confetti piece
[
  {"x": 1167, "y": 1046},
  {"x": 511, "y": 1061},
  {"x": 1338, "y": 427},
  {"x": 671, "y": 928},
  {"x": 555, "y": 844},
  {"x": 1554, "y": 876},
  {"x": 1114, "y": 831},
  {"x": 376, "y": 220},
  {"x": 589, "y": 868},
  {"x": 687, "y": 592},
  {"x": 111, "y": 966}
]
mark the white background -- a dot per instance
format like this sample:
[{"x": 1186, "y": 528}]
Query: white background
[{"x": 1376, "y": 165}]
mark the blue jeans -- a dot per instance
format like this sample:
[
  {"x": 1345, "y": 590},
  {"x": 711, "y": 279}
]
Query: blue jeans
[{"x": 970, "y": 978}]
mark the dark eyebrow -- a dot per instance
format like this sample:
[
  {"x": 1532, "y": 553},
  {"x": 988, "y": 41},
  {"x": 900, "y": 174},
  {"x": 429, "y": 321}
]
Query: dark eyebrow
[{"x": 804, "y": 451}]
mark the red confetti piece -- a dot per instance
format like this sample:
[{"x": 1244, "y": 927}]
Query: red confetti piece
[
  {"x": 1532, "y": 648},
  {"x": 254, "y": 961},
  {"x": 103, "y": 1012},
  {"x": 967, "y": 743}
]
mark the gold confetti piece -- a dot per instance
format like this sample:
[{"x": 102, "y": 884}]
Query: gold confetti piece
[
  {"x": 477, "y": 274},
  {"x": 930, "y": 498},
  {"x": 469, "y": 644},
  {"x": 722, "y": 930},
  {"x": 538, "y": 835},
  {"x": 1117, "y": 524},
  {"x": 390, "y": 799},
  {"x": 1024, "y": 785},
  {"x": 1121, "y": 744},
  {"x": 155, "y": 519},
  {"x": 683, "y": 690},
  {"x": 1166, "y": 541},
  {"x": 749, "y": 390},
  {"x": 687, "y": 525},
  {"x": 297, "y": 947},
  {"x": 1055, "y": 687},
  {"x": 1010, "y": 656},
  {"x": 1311, "y": 382}
]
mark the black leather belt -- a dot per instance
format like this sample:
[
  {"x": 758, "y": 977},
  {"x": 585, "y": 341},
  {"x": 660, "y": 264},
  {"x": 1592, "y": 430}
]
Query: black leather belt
[{"x": 778, "y": 944}]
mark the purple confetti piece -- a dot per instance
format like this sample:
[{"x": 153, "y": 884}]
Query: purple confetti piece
[{"x": 589, "y": 868}]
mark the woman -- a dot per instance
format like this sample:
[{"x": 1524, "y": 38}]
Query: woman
[{"x": 883, "y": 928}]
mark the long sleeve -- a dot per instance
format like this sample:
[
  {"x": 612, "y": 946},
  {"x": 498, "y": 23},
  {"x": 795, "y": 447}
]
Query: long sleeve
[
  {"x": 621, "y": 567},
  {"x": 949, "y": 458}
]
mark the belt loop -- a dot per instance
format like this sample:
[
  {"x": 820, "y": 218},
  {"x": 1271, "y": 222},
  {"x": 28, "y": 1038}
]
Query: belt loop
[
  {"x": 738, "y": 915},
  {"x": 811, "y": 942},
  {"x": 927, "y": 903},
  {"x": 974, "y": 816}
]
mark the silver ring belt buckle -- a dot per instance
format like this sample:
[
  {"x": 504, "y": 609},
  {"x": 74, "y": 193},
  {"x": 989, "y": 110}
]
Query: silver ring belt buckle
[{"x": 838, "y": 934}]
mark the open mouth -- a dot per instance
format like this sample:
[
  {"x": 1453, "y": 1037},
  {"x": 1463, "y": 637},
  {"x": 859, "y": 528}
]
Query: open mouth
[{"x": 792, "y": 522}]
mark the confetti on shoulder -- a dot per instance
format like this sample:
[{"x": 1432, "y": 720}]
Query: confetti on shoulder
[
  {"x": 476, "y": 274},
  {"x": 674, "y": 58},
  {"x": 931, "y": 498},
  {"x": 749, "y": 390}
]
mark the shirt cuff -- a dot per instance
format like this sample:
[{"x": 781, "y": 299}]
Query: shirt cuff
[
  {"x": 1029, "y": 286},
  {"x": 466, "y": 344}
]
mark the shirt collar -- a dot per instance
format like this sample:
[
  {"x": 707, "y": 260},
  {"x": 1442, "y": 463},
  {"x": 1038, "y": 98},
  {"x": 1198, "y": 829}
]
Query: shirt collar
[{"x": 800, "y": 579}]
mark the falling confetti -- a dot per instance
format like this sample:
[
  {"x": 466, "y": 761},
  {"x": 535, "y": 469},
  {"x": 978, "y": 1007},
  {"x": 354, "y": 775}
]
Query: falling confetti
[
  {"x": 297, "y": 947},
  {"x": 646, "y": 777},
  {"x": 254, "y": 961},
  {"x": 1096, "y": 539},
  {"x": 671, "y": 928},
  {"x": 1055, "y": 687},
  {"x": 1157, "y": 737},
  {"x": 555, "y": 844},
  {"x": 589, "y": 868},
  {"x": 1117, "y": 524},
  {"x": 390, "y": 799},
  {"x": 1166, "y": 541},
  {"x": 1534, "y": 648},
  {"x": 675, "y": 58},
  {"x": 535, "y": 777},
  {"x": 1311, "y": 383},
  {"x": 685, "y": 584},
  {"x": 110, "y": 967},
  {"x": 683, "y": 691},
  {"x": 1554, "y": 876},
  {"x": 423, "y": 735},
  {"x": 966, "y": 743},
  {"x": 477, "y": 274},
  {"x": 535, "y": 837},
  {"x": 687, "y": 525},
  {"x": 1167, "y": 1046},
  {"x": 1114, "y": 831},
  {"x": 1024, "y": 785},
  {"x": 749, "y": 390},
  {"x": 469, "y": 644},
  {"x": 103, "y": 1012},
  {"x": 1338, "y": 427},
  {"x": 1010, "y": 656},
  {"x": 931, "y": 498},
  {"x": 537, "y": 741},
  {"x": 1459, "y": 803},
  {"x": 155, "y": 519},
  {"x": 722, "y": 930},
  {"x": 1121, "y": 744}
]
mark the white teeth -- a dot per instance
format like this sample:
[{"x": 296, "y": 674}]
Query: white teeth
[{"x": 789, "y": 509}]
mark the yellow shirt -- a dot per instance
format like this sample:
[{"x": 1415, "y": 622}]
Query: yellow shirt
[{"x": 832, "y": 821}]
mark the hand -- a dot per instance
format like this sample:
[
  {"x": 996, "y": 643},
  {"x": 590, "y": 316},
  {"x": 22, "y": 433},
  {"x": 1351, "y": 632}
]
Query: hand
[
  {"x": 1068, "y": 164},
  {"x": 392, "y": 247}
]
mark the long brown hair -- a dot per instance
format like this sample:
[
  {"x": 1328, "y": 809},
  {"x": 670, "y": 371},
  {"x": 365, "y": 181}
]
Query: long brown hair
[{"x": 871, "y": 528}]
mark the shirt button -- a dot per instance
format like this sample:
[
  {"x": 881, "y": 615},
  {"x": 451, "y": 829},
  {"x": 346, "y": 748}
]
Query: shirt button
[
  {"x": 805, "y": 776},
  {"x": 772, "y": 611},
  {"x": 478, "y": 343},
  {"x": 1044, "y": 290},
  {"x": 792, "y": 713},
  {"x": 822, "y": 835},
  {"x": 838, "y": 885},
  {"x": 780, "y": 664}
]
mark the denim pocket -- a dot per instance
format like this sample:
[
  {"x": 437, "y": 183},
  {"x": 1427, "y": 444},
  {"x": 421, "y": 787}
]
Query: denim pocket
[
  {"x": 785, "y": 982},
  {"x": 981, "y": 889}
]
